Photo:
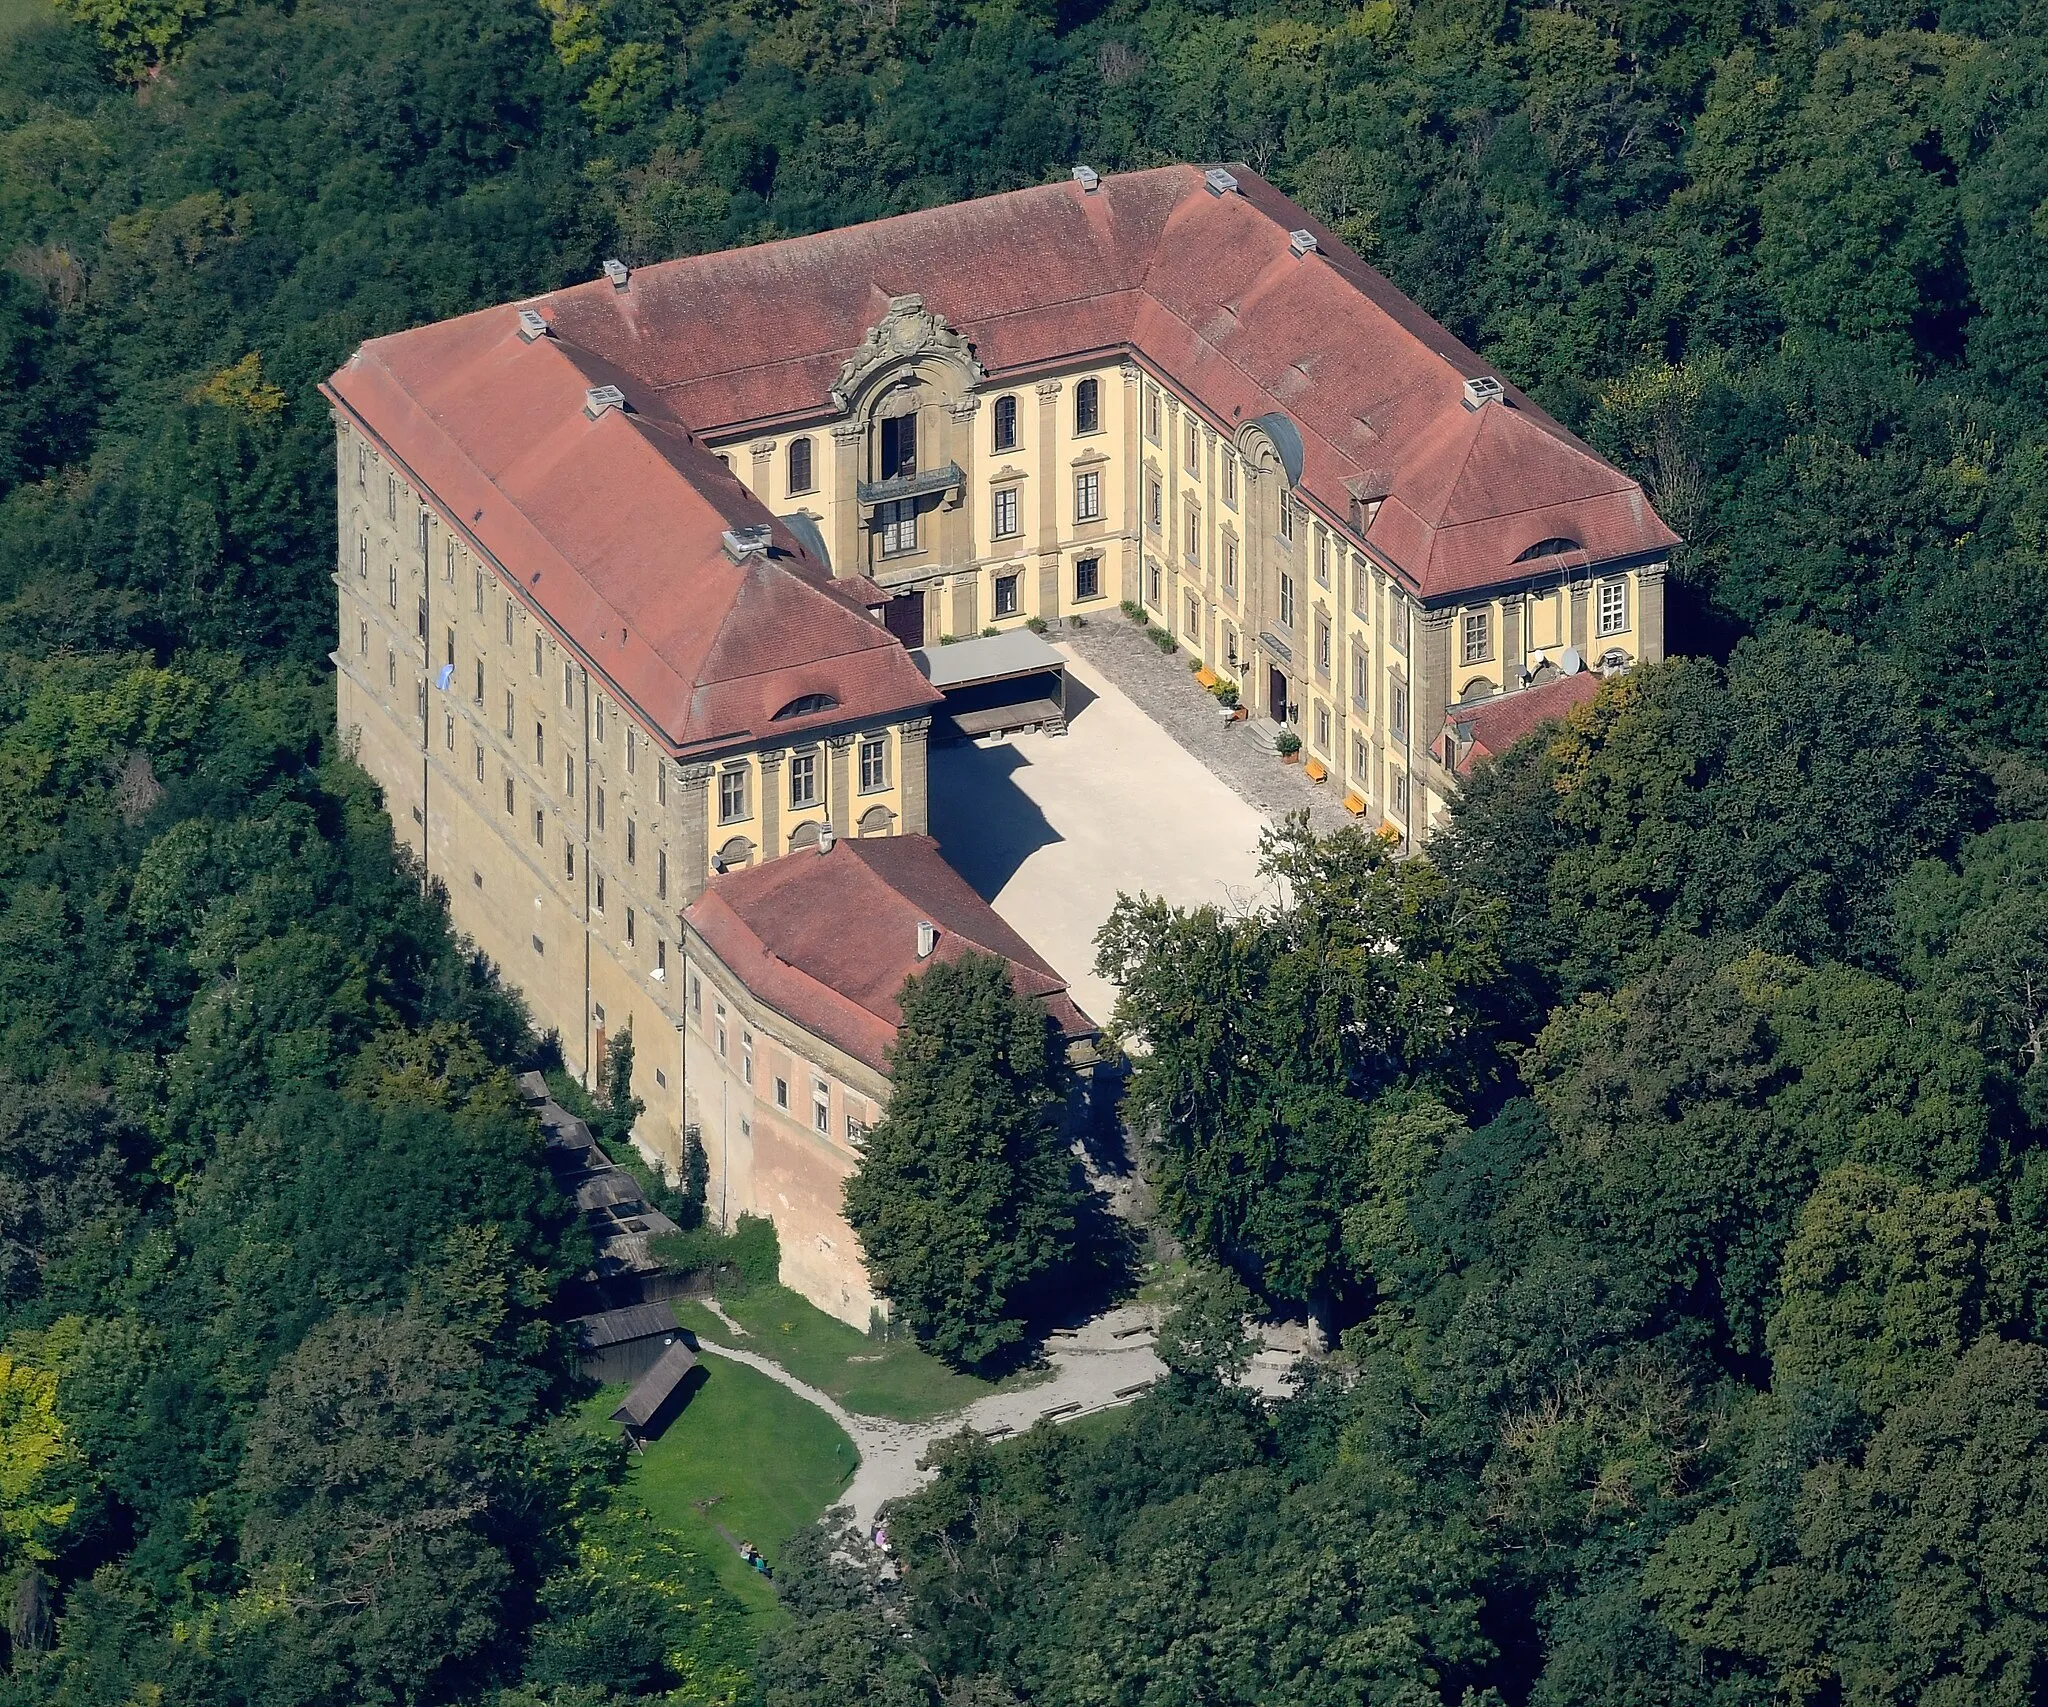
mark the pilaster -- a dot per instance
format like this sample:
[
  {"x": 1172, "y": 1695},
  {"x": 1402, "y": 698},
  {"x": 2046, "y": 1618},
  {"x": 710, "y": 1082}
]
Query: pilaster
[
  {"x": 693, "y": 828},
  {"x": 1051, "y": 493},
  {"x": 913, "y": 743},
  {"x": 1578, "y": 629},
  {"x": 1512, "y": 619},
  {"x": 1134, "y": 481},
  {"x": 839, "y": 802},
  {"x": 849, "y": 441},
  {"x": 1650, "y": 613},
  {"x": 771, "y": 804}
]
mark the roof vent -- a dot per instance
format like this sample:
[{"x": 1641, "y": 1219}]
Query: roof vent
[
  {"x": 1300, "y": 243},
  {"x": 826, "y": 837},
  {"x": 615, "y": 270},
  {"x": 751, "y": 541},
  {"x": 1483, "y": 390},
  {"x": 599, "y": 398},
  {"x": 1220, "y": 182},
  {"x": 1087, "y": 177},
  {"x": 531, "y": 325},
  {"x": 927, "y": 938}
]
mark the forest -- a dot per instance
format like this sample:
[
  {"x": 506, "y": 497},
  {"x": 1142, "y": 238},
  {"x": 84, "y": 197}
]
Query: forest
[{"x": 1665, "y": 1151}]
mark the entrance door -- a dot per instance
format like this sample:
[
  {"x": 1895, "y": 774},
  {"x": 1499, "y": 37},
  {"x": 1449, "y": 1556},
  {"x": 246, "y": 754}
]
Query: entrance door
[
  {"x": 1278, "y": 694},
  {"x": 903, "y": 616}
]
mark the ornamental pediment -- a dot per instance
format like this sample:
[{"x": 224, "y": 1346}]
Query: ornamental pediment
[{"x": 909, "y": 332}]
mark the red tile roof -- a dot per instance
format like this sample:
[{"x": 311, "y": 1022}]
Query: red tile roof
[
  {"x": 828, "y": 939},
  {"x": 612, "y": 526},
  {"x": 1492, "y": 726}
]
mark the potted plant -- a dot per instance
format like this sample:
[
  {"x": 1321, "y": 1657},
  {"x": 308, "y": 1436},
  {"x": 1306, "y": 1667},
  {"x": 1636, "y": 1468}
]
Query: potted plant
[
  {"x": 1288, "y": 745},
  {"x": 1226, "y": 697}
]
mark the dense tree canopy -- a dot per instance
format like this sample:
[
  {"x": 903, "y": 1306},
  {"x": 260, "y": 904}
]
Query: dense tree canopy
[{"x": 1666, "y": 1152}]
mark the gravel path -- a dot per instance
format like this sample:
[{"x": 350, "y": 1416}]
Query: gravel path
[
  {"x": 1163, "y": 687},
  {"x": 1101, "y": 1364}
]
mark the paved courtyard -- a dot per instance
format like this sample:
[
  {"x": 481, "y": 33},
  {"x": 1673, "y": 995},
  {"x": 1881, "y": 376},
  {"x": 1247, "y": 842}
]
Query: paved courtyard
[{"x": 1050, "y": 829}]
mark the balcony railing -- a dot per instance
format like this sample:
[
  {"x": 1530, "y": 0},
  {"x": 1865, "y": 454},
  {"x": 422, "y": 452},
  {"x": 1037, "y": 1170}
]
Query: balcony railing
[{"x": 901, "y": 486}]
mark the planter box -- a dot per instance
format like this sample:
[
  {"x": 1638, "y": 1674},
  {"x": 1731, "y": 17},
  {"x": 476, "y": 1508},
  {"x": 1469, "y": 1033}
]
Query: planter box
[{"x": 1290, "y": 758}]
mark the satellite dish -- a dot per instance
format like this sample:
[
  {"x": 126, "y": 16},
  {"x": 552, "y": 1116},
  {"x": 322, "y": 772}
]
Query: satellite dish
[
  {"x": 1570, "y": 662},
  {"x": 1536, "y": 659}
]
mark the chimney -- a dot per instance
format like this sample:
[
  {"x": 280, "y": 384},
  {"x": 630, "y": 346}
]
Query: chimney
[
  {"x": 927, "y": 938},
  {"x": 1087, "y": 177},
  {"x": 743, "y": 542},
  {"x": 531, "y": 325},
  {"x": 826, "y": 837},
  {"x": 1483, "y": 390},
  {"x": 599, "y": 398},
  {"x": 1300, "y": 243},
  {"x": 615, "y": 270}
]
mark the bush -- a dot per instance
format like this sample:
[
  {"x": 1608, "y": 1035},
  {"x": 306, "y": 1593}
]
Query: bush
[
  {"x": 1134, "y": 610},
  {"x": 1287, "y": 743},
  {"x": 736, "y": 1262},
  {"x": 1159, "y": 638},
  {"x": 1035, "y": 623},
  {"x": 1226, "y": 694}
]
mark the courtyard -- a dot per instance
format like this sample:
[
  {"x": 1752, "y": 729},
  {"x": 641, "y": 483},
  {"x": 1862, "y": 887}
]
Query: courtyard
[{"x": 1051, "y": 829}]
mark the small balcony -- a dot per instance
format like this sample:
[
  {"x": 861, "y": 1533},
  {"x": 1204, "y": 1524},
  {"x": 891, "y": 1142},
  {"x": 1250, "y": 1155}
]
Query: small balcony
[{"x": 947, "y": 479}]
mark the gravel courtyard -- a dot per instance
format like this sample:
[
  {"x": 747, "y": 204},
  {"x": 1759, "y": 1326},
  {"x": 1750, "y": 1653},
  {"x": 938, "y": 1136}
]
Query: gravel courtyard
[{"x": 1050, "y": 829}]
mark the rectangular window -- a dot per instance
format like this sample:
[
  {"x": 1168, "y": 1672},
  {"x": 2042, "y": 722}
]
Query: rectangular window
[
  {"x": 803, "y": 779},
  {"x": 782, "y": 1093},
  {"x": 746, "y": 1056},
  {"x": 568, "y": 687},
  {"x": 1152, "y": 585},
  {"x": 1286, "y": 601},
  {"x": 510, "y": 804},
  {"x": 540, "y": 828},
  {"x": 391, "y": 667},
  {"x": 1004, "y": 520},
  {"x": 420, "y": 619},
  {"x": 1230, "y": 480},
  {"x": 362, "y": 464},
  {"x": 1192, "y": 450},
  {"x": 1155, "y": 504},
  {"x": 632, "y": 926},
  {"x": 1358, "y": 760},
  {"x": 1286, "y": 518},
  {"x": 1359, "y": 587},
  {"x": 732, "y": 796},
  {"x": 660, "y": 783},
  {"x": 511, "y": 611},
  {"x": 1088, "y": 496},
  {"x": 600, "y": 810},
  {"x": 536, "y": 652},
  {"x": 479, "y": 761},
  {"x": 511, "y": 713},
  {"x": 448, "y": 730},
  {"x": 426, "y": 543},
  {"x": 661, "y": 971},
  {"x": 1152, "y": 414},
  {"x": 1088, "y": 578},
  {"x": 1322, "y": 728},
  {"x": 448, "y": 562},
  {"x": 1322, "y": 649},
  {"x": 1397, "y": 792},
  {"x": 391, "y": 497},
  {"x": 478, "y": 696},
  {"x": 451, "y": 648},
  {"x": 1397, "y": 622},
  {"x": 1397, "y": 710},
  {"x": 1612, "y": 608},
  {"x": 393, "y": 583},
  {"x": 478, "y": 575},
  {"x": 419, "y": 699},
  {"x": 569, "y": 860},
  {"x": 1006, "y": 595},
  {"x": 363, "y": 558},
  {"x": 632, "y": 747},
  {"x": 898, "y": 524},
  {"x": 632, "y": 840},
  {"x": 1193, "y": 630},
  {"x": 874, "y": 763},
  {"x": 1194, "y": 535},
  {"x": 363, "y": 638},
  {"x": 1322, "y": 558},
  {"x": 600, "y": 720},
  {"x": 661, "y": 873},
  {"x": 569, "y": 776},
  {"x": 856, "y": 1132},
  {"x": 597, "y": 899},
  {"x": 899, "y": 447},
  {"x": 540, "y": 743},
  {"x": 1358, "y": 677},
  {"x": 1230, "y": 566},
  {"x": 821, "y": 1107},
  {"x": 1478, "y": 636}
]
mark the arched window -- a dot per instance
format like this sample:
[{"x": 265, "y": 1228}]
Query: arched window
[
  {"x": 1548, "y": 548},
  {"x": 799, "y": 466},
  {"x": 1088, "y": 406},
  {"x": 1006, "y": 423},
  {"x": 806, "y": 705}
]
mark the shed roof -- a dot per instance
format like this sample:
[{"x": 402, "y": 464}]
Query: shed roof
[
  {"x": 988, "y": 658},
  {"x": 617, "y": 1327},
  {"x": 656, "y": 1387}
]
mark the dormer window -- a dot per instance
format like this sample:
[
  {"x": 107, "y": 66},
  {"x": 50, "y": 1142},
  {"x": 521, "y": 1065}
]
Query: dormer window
[
  {"x": 899, "y": 447},
  {"x": 1548, "y": 548},
  {"x": 806, "y": 705}
]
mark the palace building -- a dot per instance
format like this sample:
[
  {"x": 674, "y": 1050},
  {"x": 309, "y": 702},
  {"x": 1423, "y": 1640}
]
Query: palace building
[{"x": 627, "y": 572}]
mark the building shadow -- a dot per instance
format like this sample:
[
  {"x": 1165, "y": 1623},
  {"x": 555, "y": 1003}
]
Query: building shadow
[
  {"x": 984, "y": 823},
  {"x": 1079, "y": 697}
]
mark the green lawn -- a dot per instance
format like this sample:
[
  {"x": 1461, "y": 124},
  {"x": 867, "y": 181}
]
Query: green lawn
[
  {"x": 744, "y": 1455},
  {"x": 876, "y": 1378}
]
